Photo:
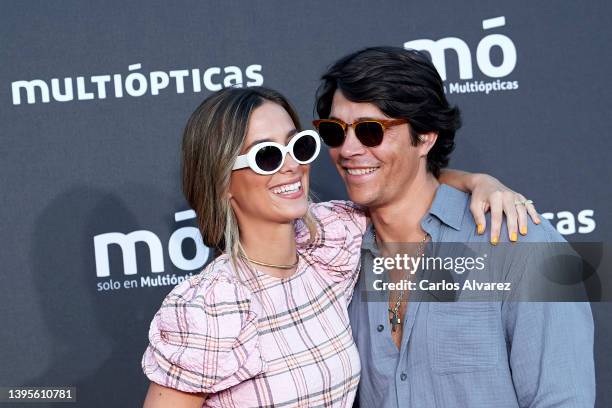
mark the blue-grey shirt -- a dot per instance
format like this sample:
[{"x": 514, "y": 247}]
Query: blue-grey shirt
[{"x": 472, "y": 354}]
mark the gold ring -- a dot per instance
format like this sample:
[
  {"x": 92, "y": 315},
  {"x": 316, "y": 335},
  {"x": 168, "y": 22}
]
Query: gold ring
[{"x": 523, "y": 202}]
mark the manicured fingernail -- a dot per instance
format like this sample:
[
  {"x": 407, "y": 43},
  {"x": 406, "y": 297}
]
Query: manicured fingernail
[
  {"x": 513, "y": 237},
  {"x": 480, "y": 229},
  {"x": 523, "y": 230},
  {"x": 494, "y": 240}
]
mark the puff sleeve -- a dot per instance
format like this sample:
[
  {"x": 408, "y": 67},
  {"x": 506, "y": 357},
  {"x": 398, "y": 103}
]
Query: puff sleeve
[
  {"x": 336, "y": 249},
  {"x": 204, "y": 337}
]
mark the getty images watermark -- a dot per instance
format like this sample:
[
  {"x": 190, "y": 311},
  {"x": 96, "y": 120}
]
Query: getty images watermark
[
  {"x": 37, "y": 394},
  {"x": 527, "y": 271}
]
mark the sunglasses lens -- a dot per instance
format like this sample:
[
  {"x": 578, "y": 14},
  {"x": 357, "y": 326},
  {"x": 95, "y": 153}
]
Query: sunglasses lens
[
  {"x": 331, "y": 133},
  {"x": 369, "y": 133},
  {"x": 305, "y": 148},
  {"x": 269, "y": 158}
]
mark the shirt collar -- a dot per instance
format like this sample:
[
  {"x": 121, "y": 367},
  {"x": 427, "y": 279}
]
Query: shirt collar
[
  {"x": 448, "y": 206},
  {"x": 369, "y": 241}
]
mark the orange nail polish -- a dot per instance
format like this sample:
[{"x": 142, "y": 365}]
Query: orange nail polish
[
  {"x": 494, "y": 240},
  {"x": 523, "y": 230},
  {"x": 480, "y": 229},
  {"x": 513, "y": 237}
]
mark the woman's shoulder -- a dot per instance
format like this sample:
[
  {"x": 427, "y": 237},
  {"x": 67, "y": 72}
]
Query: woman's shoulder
[
  {"x": 210, "y": 316},
  {"x": 333, "y": 241},
  {"x": 219, "y": 270},
  {"x": 333, "y": 219},
  {"x": 217, "y": 283},
  {"x": 336, "y": 207}
]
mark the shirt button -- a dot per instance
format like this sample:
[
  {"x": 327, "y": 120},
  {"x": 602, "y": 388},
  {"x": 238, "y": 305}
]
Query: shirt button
[
  {"x": 380, "y": 327},
  {"x": 403, "y": 377}
]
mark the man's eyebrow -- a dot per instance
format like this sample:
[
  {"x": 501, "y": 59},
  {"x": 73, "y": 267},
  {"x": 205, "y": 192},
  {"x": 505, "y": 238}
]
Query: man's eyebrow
[
  {"x": 291, "y": 133},
  {"x": 359, "y": 119}
]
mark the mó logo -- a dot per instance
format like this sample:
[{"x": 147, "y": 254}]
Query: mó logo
[
  {"x": 437, "y": 51},
  {"x": 127, "y": 243}
]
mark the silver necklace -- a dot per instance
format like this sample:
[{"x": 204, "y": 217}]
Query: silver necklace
[{"x": 394, "y": 317}]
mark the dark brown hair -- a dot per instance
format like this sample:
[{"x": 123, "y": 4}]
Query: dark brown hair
[{"x": 404, "y": 84}]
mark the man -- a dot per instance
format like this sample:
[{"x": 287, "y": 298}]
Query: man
[{"x": 428, "y": 354}]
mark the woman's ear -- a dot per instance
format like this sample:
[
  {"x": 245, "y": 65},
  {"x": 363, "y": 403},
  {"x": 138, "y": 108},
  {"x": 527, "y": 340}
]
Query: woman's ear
[{"x": 426, "y": 142}]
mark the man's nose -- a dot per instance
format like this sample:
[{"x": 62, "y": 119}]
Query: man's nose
[{"x": 351, "y": 146}]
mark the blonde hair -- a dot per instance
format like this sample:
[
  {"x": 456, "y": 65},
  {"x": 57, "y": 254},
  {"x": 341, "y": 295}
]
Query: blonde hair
[{"x": 212, "y": 139}]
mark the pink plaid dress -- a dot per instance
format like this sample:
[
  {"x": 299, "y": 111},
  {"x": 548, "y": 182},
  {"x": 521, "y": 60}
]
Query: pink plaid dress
[{"x": 248, "y": 339}]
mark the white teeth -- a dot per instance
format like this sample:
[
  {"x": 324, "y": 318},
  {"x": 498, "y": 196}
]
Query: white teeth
[
  {"x": 287, "y": 188},
  {"x": 357, "y": 172}
]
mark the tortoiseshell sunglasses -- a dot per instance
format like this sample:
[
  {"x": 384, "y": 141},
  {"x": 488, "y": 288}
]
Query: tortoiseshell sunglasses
[{"x": 369, "y": 131}]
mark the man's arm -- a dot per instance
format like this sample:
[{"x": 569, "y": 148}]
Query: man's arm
[
  {"x": 551, "y": 353},
  {"x": 550, "y": 344}
]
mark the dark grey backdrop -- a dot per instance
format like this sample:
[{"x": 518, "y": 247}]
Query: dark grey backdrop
[{"x": 89, "y": 166}]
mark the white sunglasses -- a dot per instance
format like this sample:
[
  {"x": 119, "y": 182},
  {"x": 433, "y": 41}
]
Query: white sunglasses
[{"x": 268, "y": 157}]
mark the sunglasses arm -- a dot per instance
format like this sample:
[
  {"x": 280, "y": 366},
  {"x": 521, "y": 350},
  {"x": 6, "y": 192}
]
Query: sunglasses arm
[{"x": 241, "y": 162}]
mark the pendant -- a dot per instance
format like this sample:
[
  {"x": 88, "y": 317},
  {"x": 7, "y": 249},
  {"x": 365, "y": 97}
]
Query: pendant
[{"x": 395, "y": 320}]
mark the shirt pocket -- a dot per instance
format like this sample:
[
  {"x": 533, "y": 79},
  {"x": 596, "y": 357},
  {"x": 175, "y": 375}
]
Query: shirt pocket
[{"x": 463, "y": 337}]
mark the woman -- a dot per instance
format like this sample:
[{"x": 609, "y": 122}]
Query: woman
[{"x": 264, "y": 324}]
